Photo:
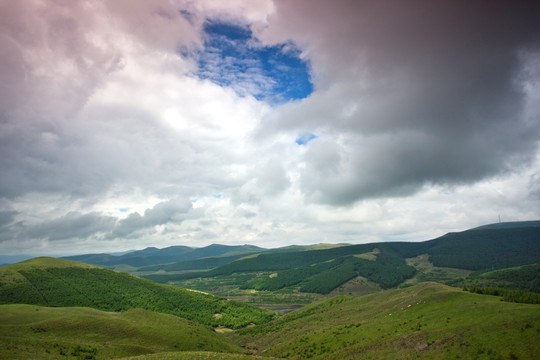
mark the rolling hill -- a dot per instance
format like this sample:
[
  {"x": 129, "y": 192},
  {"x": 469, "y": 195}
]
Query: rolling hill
[
  {"x": 36, "y": 332},
  {"x": 384, "y": 264},
  {"x": 425, "y": 321},
  {"x": 525, "y": 278},
  {"x": 428, "y": 320},
  {"x": 496, "y": 246},
  {"x": 60, "y": 283}
]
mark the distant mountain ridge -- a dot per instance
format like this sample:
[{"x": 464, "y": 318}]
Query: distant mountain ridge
[
  {"x": 155, "y": 256},
  {"x": 321, "y": 271},
  {"x": 321, "y": 268}
]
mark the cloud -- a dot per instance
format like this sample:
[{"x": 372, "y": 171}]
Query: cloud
[
  {"x": 58, "y": 54},
  {"x": 172, "y": 211},
  {"x": 410, "y": 94},
  {"x": 70, "y": 226},
  {"x": 422, "y": 118},
  {"x": 76, "y": 225},
  {"x": 6, "y": 217}
]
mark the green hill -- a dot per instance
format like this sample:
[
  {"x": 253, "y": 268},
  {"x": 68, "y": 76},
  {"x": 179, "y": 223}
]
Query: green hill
[
  {"x": 211, "y": 261},
  {"x": 206, "y": 263},
  {"x": 59, "y": 283},
  {"x": 492, "y": 247},
  {"x": 428, "y": 320},
  {"x": 298, "y": 262},
  {"x": 154, "y": 256},
  {"x": 35, "y": 332},
  {"x": 321, "y": 271},
  {"x": 145, "y": 257},
  {"x": 525, "y": 278}
]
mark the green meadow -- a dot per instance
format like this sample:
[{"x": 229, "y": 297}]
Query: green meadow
[
  {"x": 428, "y": 320},
  {"x": 37, "y": 332}
]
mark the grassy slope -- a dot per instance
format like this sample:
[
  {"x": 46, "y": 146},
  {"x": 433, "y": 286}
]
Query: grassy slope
[
  {"x": 57, "y": 282},
  {"x": 428, "y": 320},
  {"x": 34, "y": 332},
  {"x": 196, "y": 355}
]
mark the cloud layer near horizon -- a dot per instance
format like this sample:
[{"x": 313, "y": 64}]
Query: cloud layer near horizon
[{"x": 424, "y": 118}]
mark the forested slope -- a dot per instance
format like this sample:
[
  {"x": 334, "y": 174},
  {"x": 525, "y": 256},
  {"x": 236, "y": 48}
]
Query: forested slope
[
  {"x": 56, "y": 282},
  {"x": 489, "y": 247}
]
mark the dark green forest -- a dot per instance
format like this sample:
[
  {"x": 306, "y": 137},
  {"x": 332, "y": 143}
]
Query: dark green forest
[{"x": 321, "y": 271}]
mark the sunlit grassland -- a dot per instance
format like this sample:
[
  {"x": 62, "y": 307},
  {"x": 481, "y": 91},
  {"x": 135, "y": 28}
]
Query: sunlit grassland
[
  {"x": 196, "y": 355},
  {"x": 35, "y": 332},
  {"x": 428, "y": 320}
]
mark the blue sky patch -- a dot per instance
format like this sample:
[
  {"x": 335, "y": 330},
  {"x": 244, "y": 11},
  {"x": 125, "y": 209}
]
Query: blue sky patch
[
  {"x": 233, "y": 57},
  {"x": 305, "y": 138}
]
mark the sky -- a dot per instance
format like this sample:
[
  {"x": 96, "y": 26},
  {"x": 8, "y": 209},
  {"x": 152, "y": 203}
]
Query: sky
[{"x": 134, "y": 123}]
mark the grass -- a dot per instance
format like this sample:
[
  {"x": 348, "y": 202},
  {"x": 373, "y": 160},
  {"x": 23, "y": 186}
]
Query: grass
[
  {"x": 35, "y": 332},
  {"x": 426, "y": 271},
  {"x": 195, "y": 355},
  {"x": 357, "y": 287},
  {"x": 371, "y": 255},
  {"x": 221, "y": 285},
  {"x": 421, "y": 320},
  {"x": 229, "y": 286},
  {"x": 428, "y": 320}
]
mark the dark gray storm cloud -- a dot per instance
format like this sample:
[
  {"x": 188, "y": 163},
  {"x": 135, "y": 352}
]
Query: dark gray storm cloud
[
  {"x": 6, "y": 217},
  {"x": 71, "y": 226},
  {"x": 412, "y": 92}
]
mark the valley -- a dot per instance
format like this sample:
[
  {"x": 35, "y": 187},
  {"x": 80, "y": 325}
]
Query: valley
[{"x": 379, "y": 301}]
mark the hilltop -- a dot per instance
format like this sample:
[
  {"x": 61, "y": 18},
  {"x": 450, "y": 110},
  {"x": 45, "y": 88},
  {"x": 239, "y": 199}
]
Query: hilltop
[{"x": 59, "y": 283}]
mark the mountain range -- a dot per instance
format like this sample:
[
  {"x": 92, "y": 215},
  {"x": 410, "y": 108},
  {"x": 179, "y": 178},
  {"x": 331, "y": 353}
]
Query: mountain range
[{"x": 59, "y": 308}]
